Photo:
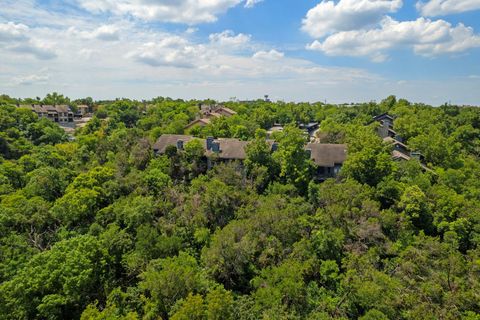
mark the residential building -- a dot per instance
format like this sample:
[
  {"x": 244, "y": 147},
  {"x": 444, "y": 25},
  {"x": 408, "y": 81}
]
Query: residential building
[
  {"x": 198, "y": 123},
  {"x": 386, "y": 126},
  {"x": 328, "y": 158},
  {"x": 400, "y": 152},
  {"x": 60, "y": 113},
  {"x": 83, "y": 110},
  {"x": 208, "y": 112}
]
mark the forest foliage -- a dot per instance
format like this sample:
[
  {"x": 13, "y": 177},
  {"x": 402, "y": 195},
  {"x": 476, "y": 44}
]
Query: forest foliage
[{"x": 97, "y": 227}]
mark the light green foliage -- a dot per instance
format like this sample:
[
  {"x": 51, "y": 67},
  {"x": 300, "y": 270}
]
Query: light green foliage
[
  {"x": 369, "y": 160},
  {"x": 191, "y": 308}
]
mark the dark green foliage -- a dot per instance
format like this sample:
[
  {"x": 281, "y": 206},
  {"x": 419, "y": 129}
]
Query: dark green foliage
[{"x": 98, "y": 227}]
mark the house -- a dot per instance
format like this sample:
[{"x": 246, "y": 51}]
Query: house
[
  {"x": 400, "y": 152},
  {"x": 82, "y": 110},
  {"x": 328, "y": 158},
  {"x": 198, "y": 123},
  {"x": 65, "y": 114},
  {"x": 177, "y": 140},
  {"x": 275, "y": 128},
  {"x": 60, "y": 113},
  {"x": 208, "y": 112},
  {"x": 218, "y": 110},
  {"x": 226, "y": 112},
  {"x": 397, "y": 145},
  {"x": 386, "y": 126},
  {"x": 310, "y": 127}
]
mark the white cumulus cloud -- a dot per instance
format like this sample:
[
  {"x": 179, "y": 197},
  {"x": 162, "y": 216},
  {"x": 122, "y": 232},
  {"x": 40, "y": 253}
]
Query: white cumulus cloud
[
  {"x": 229, "y": 40},
  {"x": 345, "y": 15},
  {"x": 104, "y": 33},
  {"x": 172, "y": 51},
  {"x": 269, "y": 55},
  {"x": 434, "y": 8},
  {"x": 425, "y": 37},
  {"x": 16, "y": 38}
]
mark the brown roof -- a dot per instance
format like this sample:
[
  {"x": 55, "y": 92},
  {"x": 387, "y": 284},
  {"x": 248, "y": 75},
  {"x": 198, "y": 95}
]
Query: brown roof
[
  {"x": 50, "y": 108},
  {"x": 213, "y": 114},
  {"x": 227, "y": 110},
  {"x": 232, "y": 149},
  {"x": 63, "y": 108},
  {"x": 171, "y": 140},
  {"x": 395, "y": 141},
  {"x": 203, "y": 122},
  {"x": 38, "y": 109},
  {"x": 400, "y": 155},
  {"x": 327, "y": 155}
]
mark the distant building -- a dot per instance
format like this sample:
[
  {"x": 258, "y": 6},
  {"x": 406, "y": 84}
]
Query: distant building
[
  {"x": 83, "y": 110},
  {"x": 273, "y": 129},
  {"x": 386, "y": 126},
  {"x": 310, "y": 129},
  {"x": 198, "y": 123},
  {"x": 400, "y": 152},
  {"x": 208, "y": 112},
  {"x": 61, "y": 113}
]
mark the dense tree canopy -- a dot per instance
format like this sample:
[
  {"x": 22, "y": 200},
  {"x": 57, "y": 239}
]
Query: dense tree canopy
[{"x": 95, "y": 226}]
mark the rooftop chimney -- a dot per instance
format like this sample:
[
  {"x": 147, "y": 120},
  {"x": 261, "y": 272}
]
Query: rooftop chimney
[
  {"x": 309, "y": 153},
  {"x": 180, "y": 144},
  {"x": 216, "y": 147},
  {"x": 209, "y": 143},
  {"x": 274, "y": 146}
]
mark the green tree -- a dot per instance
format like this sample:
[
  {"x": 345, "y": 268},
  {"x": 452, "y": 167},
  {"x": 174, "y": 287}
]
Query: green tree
[
  {"x": 168, "y": 280},
  {"x": 292, "y": 157},
  {"x": 57, "y": 283}
]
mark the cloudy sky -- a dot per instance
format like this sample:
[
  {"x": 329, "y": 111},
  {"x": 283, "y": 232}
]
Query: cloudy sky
[{"x": 293, "y": 50}]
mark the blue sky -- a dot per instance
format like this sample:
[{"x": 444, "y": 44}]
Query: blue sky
[{"x": 293, "y": 50}]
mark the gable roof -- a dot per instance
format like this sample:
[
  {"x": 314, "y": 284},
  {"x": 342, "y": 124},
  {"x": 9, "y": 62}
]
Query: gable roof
[
  {"x": 395, "y": 142},
  {"x": 63, "y": 108},
  {"x": 383, "y": 116},
  {"x": 202, "y": 122},
  {"x": 327, "y": 155},
  {"x": 230, "y": 149},
  {"x": 171, "y": 140},
  {"x": 227, "y": 110},
  {"x": 397, "y": 155}
]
